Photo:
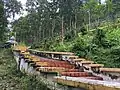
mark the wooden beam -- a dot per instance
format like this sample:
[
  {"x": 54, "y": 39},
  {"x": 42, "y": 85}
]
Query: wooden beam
[
  {"x": 49, "y": 52},
  {"x": 86, "y": 62},
  {"x": 87, "y": 84},
  {"x": 114, "y": 70},
  {"x": 72, "y": 57},
  {"x": 79, "y": 59},
  {"x": 95, "y": 65}
]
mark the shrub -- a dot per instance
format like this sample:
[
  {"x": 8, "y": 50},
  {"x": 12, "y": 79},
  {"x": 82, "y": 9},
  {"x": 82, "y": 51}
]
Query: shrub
[{"x": 81, "y": 45}]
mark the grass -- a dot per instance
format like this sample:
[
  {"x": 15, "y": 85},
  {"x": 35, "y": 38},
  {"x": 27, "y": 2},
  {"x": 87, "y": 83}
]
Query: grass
[{"x": 11, "y": 79}]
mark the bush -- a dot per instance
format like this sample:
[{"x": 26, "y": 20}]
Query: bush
[
  {"x": 32, "y": 82},
  {"x": 81, "y": 45},
  {"x": 102, "y": 45},
  {"x": 61, "y": 47},
  {"x": 108, "y": 57},
  {"x": 113, "y": 37}
]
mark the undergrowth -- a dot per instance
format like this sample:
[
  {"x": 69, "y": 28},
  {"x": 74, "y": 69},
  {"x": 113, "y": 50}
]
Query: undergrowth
[
  {"x": 100, "y": 45},
  {"x": 11, "y": 79}
]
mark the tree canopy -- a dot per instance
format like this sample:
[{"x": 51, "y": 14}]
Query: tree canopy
[
  {"x": 8, "y": 9},
  {"x": 48, "y": 19}
]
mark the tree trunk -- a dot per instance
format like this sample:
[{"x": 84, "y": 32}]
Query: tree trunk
[
  {"x": 89, "y": 20},
  {"x": 98, "y": 21},
  {"x": 43, "y": 33},
  {"x": 39, "y": 36},
  {"x": 62, "y": 32},
  {"x": 70, "y": 25},
  {"x": 53, "y": 27},
  {"x": 75, "y": 24}
]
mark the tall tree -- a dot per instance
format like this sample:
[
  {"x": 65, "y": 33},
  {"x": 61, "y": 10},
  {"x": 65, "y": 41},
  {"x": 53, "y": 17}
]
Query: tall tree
[
  {"x": 3, "y": 21},
  {"x": 116, "y": 7},
  {"x": 109, "y": 8},
  {"x": 12, "y": 7},
  {"x": 8, "y": 9}
]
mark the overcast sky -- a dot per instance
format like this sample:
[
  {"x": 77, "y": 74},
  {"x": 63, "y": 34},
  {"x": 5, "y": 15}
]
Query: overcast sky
[{"x": 23, "y": 1}]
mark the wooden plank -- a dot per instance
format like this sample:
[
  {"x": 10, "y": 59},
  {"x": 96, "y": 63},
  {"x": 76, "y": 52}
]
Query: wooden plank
[
  {"x": 35, "y": 60},
  {"x": 87, "y": 84},
  {"x": 95, "y": 65},
  {"x": 114, "y": 70},
  {"x": 86, "y": 62},
  {"x": 72, "y": 57},
  {"x": 51, "y": 69},
  {"x": 41, "y": 63},
  {"x": 25, "y": 53},
  {"x": 49, "y": 52},
  {"x": 79, "y": 59}
]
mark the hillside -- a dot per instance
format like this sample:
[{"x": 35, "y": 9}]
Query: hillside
[
  {"x": 11, "y": 79},
  {"x": 101, "y": 45}
]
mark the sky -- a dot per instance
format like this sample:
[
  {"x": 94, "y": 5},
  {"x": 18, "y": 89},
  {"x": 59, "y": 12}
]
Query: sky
[
  {"x": 102, "y": 1},
  {"x": 23, "y": 1}
]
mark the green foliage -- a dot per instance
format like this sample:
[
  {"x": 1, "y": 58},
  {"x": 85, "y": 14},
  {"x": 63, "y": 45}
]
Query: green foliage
[
  {"x": 83, "y": 30},
  {"x": 45, "y": 19},
  {"x": 105, "y": 48},
  {"x": 81, "y": 45},
  {"x": 12, "y": 79},
  {"x": 109, "y": 57},
  {"x": 113, "y": 37},
  {"x": 32, "y": 83},
  {"x": 102, "y": 46},
  {"x": 12, "y": 7},
  {"x": 99, "y": 37},
  {"x": 8, "y": 9},
  {"x": 49, "y": 22},
  {"x": 3, "y": 21},
  {"x": 61, "y": 47}
]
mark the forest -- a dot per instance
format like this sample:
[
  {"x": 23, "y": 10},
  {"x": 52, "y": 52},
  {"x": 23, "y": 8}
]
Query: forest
[{"x": 89, "y": 28}]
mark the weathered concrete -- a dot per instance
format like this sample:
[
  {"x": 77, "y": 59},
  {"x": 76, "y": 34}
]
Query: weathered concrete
[{"x": 46, "y": 78}]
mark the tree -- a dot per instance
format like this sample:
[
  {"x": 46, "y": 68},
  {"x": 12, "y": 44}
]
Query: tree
[
  {"x": 3, "y": 21},
  {"x": 109, "y": 8},
  {"x": 116, "y": 5},
  {"x": 12, "y": 7},
  {"x": 57, "y": 18},
  {"x": 8, "y": 9}
]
